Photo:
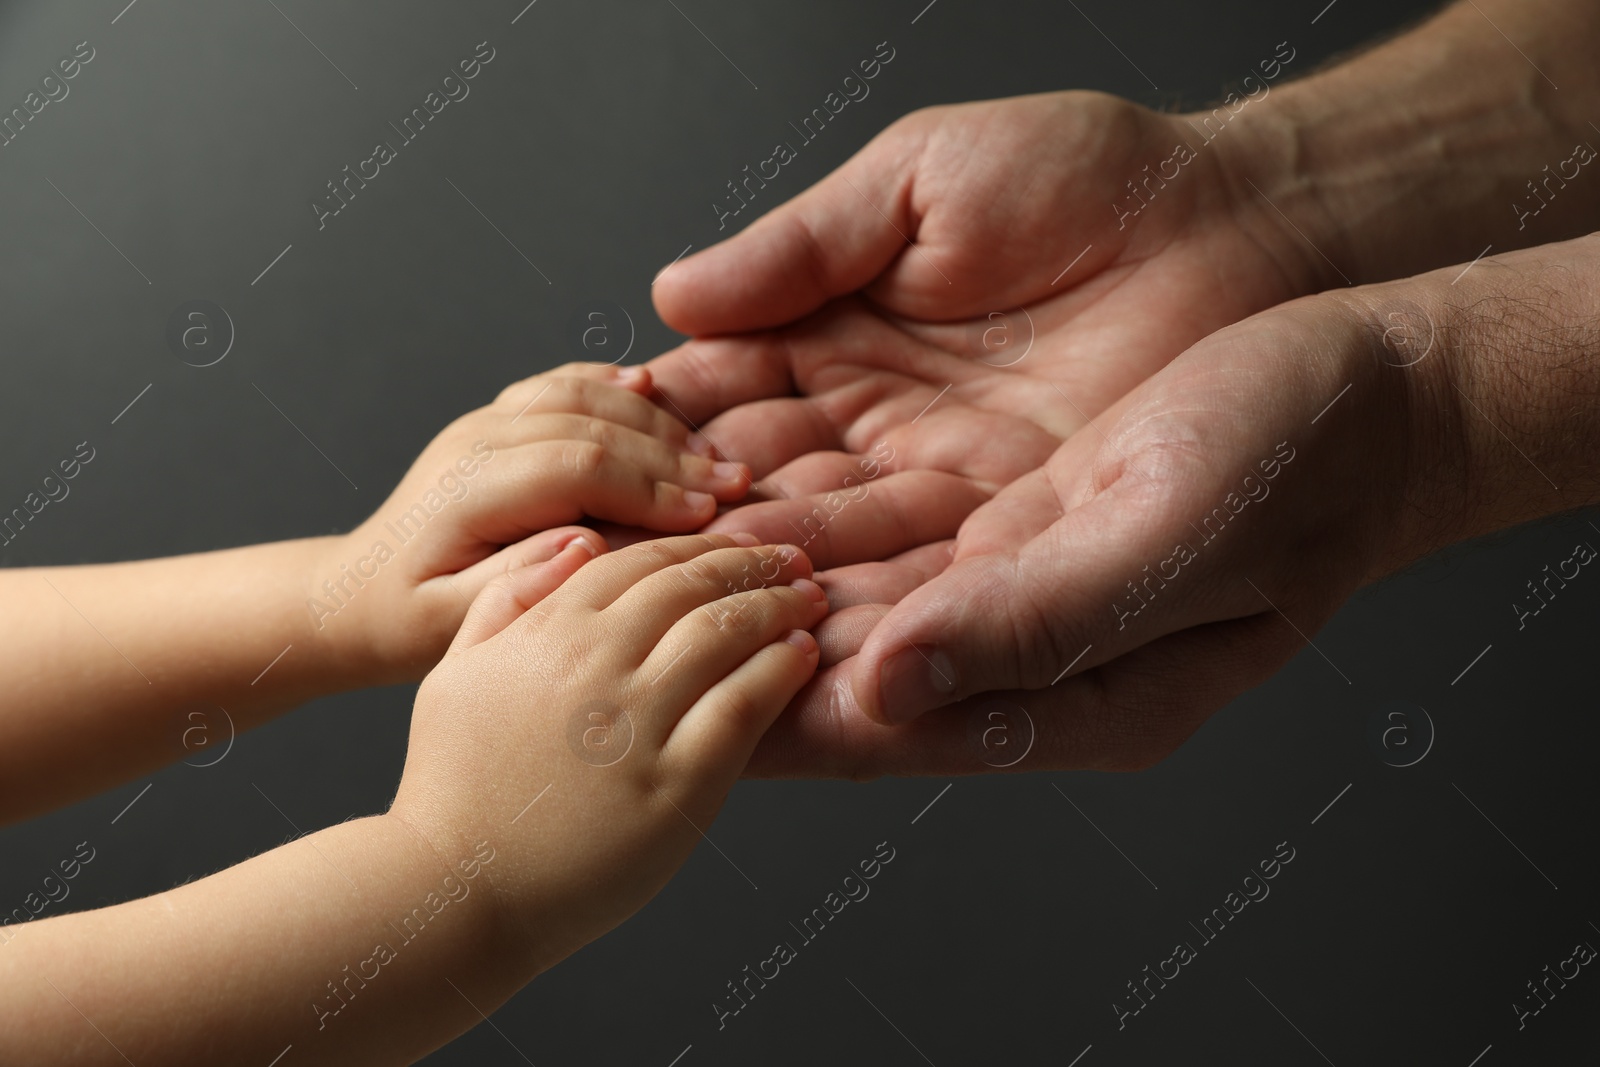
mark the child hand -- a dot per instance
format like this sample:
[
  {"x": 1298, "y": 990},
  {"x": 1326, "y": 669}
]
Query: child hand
[
  {"x": 591, "y": 717},
  {"x": 496, "y": 490}
]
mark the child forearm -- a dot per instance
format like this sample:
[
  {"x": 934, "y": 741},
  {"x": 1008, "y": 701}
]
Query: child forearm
[
  {"x": 359, "y": 944},
  {"x": 158, "y": 661}
]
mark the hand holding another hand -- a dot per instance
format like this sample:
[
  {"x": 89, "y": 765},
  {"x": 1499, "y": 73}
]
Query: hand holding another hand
[
  {"x": 632, "y": 687},
  {"x": 500, "y": 488}
]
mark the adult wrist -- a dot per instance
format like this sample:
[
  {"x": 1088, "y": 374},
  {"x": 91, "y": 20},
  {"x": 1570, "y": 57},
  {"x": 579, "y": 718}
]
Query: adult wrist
[
  {"x": 1277, "y": 197},
  {"x": 1425, "y": 150},
  {"x": 1500, "y": 366}
]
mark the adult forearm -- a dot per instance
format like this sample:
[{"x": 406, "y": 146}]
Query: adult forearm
[
  {"x": 1473, "y": 129},
  {"x": 158, "y": 661}
]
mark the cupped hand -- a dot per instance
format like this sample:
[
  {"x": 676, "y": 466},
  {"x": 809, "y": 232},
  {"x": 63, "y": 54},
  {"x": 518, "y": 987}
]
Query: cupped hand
[
  {"x": 998, "y": 284},
  {"x": 1165, "y": 559},
  {"x": 962, "y": 295}
]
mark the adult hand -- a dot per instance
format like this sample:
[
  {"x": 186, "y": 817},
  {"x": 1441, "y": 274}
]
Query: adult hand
[
  {"x": 1179, "y": 550},
  {"x": 933, "y": 388},
  {"x": 1031, "y": 278},
  {"x": 990, "y": 192}
]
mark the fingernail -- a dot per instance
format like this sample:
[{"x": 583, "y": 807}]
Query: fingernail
[
  {"x": 695, "y": 500},
  {"x": 631, "y": 375},
  {"x": 915, "y": 681},
  {"x": 727, "y": 472},
  {"x": 744, "y": 539},
  {"x": 582, "y": 542},
  {"x": 700, "y": 445},
  {"x": 802, "y": 640},
  {"x": 809, "y": 588}
]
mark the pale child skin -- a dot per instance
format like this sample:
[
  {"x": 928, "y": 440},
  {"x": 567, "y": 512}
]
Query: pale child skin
[{"x": 468, "y": 881}]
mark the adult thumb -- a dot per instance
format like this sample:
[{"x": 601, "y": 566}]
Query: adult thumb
[
  {"x": 1026, "y": 614},
  {"x": 958, "y": 632},
  {"x": 831, "y": 240}
]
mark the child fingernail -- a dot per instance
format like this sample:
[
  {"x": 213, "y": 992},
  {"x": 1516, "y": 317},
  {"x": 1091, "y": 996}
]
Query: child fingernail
[
  {"x": 700, "y": 445},
  {"x": 801, "y": 640},
  {"x": 580, "y": 542},
  {"x": 631, "y": 375},
  {"x": 809, "y": 588},
  {"x": 695, "y": 500},
  {"x": 727, "y": 472},
  {"x": 745, "y": 540}
]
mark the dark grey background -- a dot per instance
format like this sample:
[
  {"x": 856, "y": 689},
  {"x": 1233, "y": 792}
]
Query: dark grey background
[{"x": 596, "y": 141}]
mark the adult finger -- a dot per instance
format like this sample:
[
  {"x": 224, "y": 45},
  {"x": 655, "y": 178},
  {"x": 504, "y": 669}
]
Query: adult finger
[
  {"x": 832, "y": 239},
  {"x": 704, "y": 377},
  {"x": 1124, "y": 715},
  {"x": 895, "y": 513}
]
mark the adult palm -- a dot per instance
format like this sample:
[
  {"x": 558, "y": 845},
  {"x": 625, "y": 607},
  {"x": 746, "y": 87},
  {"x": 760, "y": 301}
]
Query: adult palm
[
  {"x": 989, "y": 248},
  {"x": 964, "y": 294}
]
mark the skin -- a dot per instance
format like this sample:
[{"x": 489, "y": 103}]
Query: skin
[
  {"x": 505, "y": 850},
  {"x": 1496, "y": 425},
  {"x": 1462, "y": 402},
  {"x": 822, "y": 329},
  {"x": 130, "y": 655}
]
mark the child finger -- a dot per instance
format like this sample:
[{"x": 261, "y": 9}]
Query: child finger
[
  {"x": 714, "y": 740},
  {"x": 505, "y": 599},
  {"x": 537, "y": 487},
  {"x": 707, "y": 644},
  {"x": 594, "y": 392},
  {"x": 537, "y": 548},
  {"x": 635, "y": 377},
  {"x": 581, "y": 478},
  {"x": 616, "y": 572},
  {"x": 654, "y": 606},
  {"x": 663, "y": 460},
  {"x": 520, "y": 392}
]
